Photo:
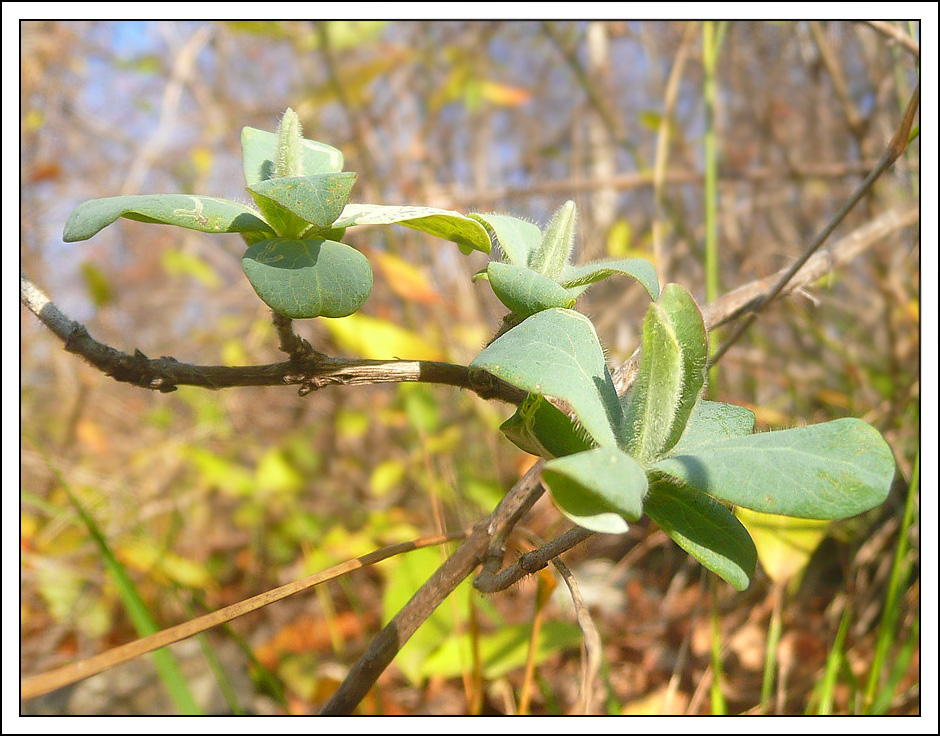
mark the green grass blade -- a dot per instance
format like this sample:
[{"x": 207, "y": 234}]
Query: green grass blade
[
  {"x": 774, "y": 631},
  {"x": 719, "y": 704},
  {"x": 137, "y": 611},
  {"x": 834, "y": 665},
  {"x": 899, "y": 570},
  {"x": 883, "y": 700}
]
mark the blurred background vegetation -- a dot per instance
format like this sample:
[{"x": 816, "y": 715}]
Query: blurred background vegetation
[{"x": 208, "y": 497}]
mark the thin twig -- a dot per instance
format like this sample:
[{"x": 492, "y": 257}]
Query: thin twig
[
  {"x": 71, "y": 673},
  {"x": 662, "y": 140},
  {"x": 895, "y": 149},
  {"x": 591, "y": 660},
  {"x": 290, "y": 342},
  {"x": 489, "y": 581},
  {"x": 595, "y": 97},
  {"x": 449, "y": 198},
  {"x": 895, "y": 34}
]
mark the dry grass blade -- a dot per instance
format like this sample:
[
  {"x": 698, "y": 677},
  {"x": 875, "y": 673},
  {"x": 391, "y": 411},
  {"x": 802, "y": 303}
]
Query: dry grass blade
[
  {"x": 591, "y": 661},
  {"x": 49, "y": 681}
]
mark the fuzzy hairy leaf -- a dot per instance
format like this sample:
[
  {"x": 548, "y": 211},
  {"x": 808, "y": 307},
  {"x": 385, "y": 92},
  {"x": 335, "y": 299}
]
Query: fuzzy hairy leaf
[
  {"x": 524, "y": 291},
  {"x": 205, "y": 214},
  {"x": 825, "y": 471},
  {"x": 556, "y": 353},
  {"x": 260, "y": 154},
  {"x": 541, "y": 429},
  {"x": 516, "y": 238},
  {"x": 302, "y": 279},
  {"x": 317, "y": 200},
  {"x": 713, "y": 420},
  {"x": 466, "y": 232},
  {"x": 554, "y": 252},
  {"x": 577, "y": 279},
  {"x": 671, "y": 376},
  {"x": 705, "y": 529},
  {"x": 600, "y": 489}
]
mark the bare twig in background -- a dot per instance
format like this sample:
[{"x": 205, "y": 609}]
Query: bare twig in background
[
  {"x": 746, "y": 299},
  {"x": 591, "y": 658},
  {"x": 853, "y": 119},
  {"x": 644, "y": 179},
  {"x": 183, "y": 65},
  {"x": 895, "y": 149},
  {"x": 895, "y": 34},
  {"x": 662, "y": 141},
  {"x": 49, "y": 681}
]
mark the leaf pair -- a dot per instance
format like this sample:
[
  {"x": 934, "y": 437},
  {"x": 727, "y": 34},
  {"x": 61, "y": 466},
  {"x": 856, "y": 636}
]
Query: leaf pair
[
  {"x": 535, "y": 273},
  {"x": 294, "y": 261},
  {"x": 664, "y": 451}
]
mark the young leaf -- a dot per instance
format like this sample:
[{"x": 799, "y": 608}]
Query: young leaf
[
  {"x": 205, "y": 214},
  {"x": 466, "y": 232},
  {"x": 524, "y": 291},
  {"x": 308, "y": 278},
  {"x": 672, "y": 374},
  {"x": 554, "y": 252},
  {"x": 540, "y": 428},
  {"x": 289, "y": 162},
  {"x": 712, "y": 420},
  {"x": 825, "y": 471},
  {"x": 317, "y": 200},
  {"x": 259, "y": 155},
  {"x": 705, "y": 529},
  {"x": 600, "y": 489},
  {"x": 556, "y": 353},
  {"x": 517, "y": 239},
  {"x": 577, "y": 279}
]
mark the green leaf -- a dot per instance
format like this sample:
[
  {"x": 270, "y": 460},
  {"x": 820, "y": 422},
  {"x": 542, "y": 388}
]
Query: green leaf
[
  {"x": 308, "y": 278},
  {"x": 557, "y": 242},
  {"x": 539, "y": 428},
  {"x": 205, "y": 214},
  {"x": 671, "y": 376},
  {"x": 825, "y": 471},
  {"x": 712, "y": 420},
  {"x": 578, "y": 279},
  {"x": 705, "y": 529},
  {"x": 517, "y": 239},
  {"x": 502, "y": 651},
  {"x": 466, "y": 232},
  {"x": 556, "y": 353},
  {"x": 524, "y": 291},
  {"x": 600, "y": 489},
  {"x": 259, "y": 155},
  {"x": 317, "y": 200}
]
